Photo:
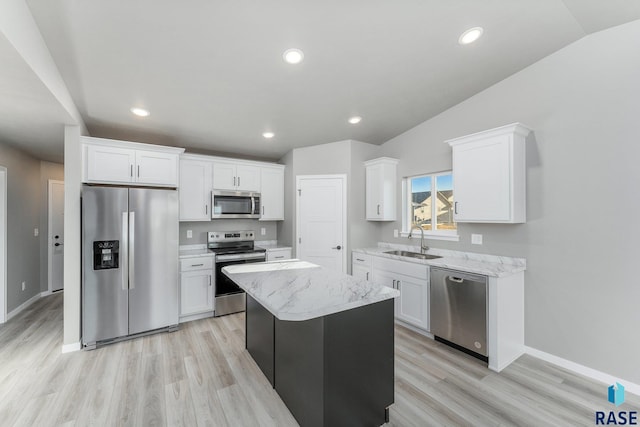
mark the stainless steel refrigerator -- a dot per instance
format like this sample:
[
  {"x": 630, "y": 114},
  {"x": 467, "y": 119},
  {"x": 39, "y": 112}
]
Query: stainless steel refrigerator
[{"x": 130, "y": 262}]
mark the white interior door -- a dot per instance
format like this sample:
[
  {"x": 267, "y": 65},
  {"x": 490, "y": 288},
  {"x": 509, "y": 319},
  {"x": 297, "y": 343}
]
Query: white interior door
[
  {"x": 3, "y": 245},
  {"x": 56, "y": 235},
  {"x": 321, "y": 220}
]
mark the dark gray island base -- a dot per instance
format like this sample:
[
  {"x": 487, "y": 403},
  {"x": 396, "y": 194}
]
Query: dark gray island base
[{"x": 334, "y": 370}]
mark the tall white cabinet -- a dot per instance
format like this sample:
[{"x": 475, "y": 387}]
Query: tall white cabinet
[
  {"x": 272, "y": 193},
  {"x": 489, "y": 175},
  {"x": 195, "y": 189},
  {"x": 381, "y": 183}
]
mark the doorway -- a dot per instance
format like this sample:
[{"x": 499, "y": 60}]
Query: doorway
[
  {"x": 321, "y": 220},
  {"x": 3, "y": 244},
  {"x": 55, "y": 236}
]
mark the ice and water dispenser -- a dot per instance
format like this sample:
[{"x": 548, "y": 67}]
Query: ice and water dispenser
[{"x": 106, "y": 254}]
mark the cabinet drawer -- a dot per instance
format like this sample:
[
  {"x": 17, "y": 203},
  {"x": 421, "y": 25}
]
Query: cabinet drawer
[
  {"x": 418, "y": 271},
  {"x": 359, "y": 258},
  {"x": 191, "y": 264},
  {"x": 278, "y": 254}
]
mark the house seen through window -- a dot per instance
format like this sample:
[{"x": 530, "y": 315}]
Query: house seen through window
[{"x": 429, "y": 203}]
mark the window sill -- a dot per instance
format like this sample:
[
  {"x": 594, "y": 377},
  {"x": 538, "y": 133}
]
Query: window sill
[{"x": 432, "y": 236}]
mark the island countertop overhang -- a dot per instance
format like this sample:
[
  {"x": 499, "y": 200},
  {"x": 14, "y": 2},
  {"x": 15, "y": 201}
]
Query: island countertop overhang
[{"x": 295, "y": 290}]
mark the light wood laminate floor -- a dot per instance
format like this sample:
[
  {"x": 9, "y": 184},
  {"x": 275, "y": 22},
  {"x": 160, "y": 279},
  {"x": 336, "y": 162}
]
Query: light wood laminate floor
[{"x": 201, "y": 375}]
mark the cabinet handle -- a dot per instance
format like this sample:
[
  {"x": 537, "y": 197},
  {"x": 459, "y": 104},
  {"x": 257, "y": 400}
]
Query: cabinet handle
[
  {"x": 358, "y": 259},
  {"x": 138, "y": 171},
  {"x": 279, "y": 257},
  {"x": 209, "y": 280},
  {"x": 378, "y": 209},
  {"x": 394, "y": 284},
  {"x": 455, "y": 207},
  {"x": 234, "y": 181},
  {"x": 238, "y": 181},
  {"x": 367, "y": 275},
  {"x": 262, "y": 209},
  {"x": 197, "y": 265},
  {"x": 206, "y": 210},
  {"x": 131, "y": 171},
  {"x": 398, "y": 286}
]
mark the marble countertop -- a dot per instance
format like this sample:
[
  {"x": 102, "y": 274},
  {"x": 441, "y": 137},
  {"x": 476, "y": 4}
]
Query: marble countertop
[
  {"x": 296, "y": 290},
  {"x": 488, "y": 265},
  {"x": 194, "y": 251},
  {"x": 270, "y": 245}
]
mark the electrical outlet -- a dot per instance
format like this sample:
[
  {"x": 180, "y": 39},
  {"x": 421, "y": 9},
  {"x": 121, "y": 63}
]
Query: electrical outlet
[
  {"x": 395, "y": 233},
  {"x": 476, "y": 239},
  {"x": 23, "y": 285},
  {"x": 263, "y": 231},
  {"x": 36, "y": 232},
  {"x": 189, "y": 234}
]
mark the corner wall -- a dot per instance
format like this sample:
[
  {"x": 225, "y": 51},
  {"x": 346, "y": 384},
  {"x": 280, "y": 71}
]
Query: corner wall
[{"x": 583, "y": 204}]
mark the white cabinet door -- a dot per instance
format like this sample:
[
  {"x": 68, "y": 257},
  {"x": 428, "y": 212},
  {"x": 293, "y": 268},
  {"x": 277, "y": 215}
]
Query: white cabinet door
[
  {"x": 248, "y": 178},
  {"x": 157, "y": 168},
  {"x": 272, "y": 194},
  {"x": 387, "y": 278},
  {"x": 413, "y": 304},
  {"x": 110, "y": 164},
  {"x": 224, "y": 176},
  {"x": 373, "y": 192},
  {"x": 482, "y": 179},
  {"x": 195, "y": 190},
  {"x": 380, "y": 195},
  {"x": 360, "y": 271},
  {"x": 278, "y": 254},
  {"x": 196, "y": 292}
]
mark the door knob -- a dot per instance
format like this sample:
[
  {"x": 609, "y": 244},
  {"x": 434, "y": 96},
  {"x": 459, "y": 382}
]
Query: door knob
[
  {"x": 337, "y": 247},
  {"x": 58, "y": 244}
]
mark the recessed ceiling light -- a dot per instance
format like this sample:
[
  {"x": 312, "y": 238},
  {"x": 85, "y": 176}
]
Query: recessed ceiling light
[
  {"x": 140, "y": 112},
  {"x": 293, "y": 56},
  {"x": 355, "y": 120},
  {"x": 268, "y": 135},
  {"x": 471, "y": 35}
]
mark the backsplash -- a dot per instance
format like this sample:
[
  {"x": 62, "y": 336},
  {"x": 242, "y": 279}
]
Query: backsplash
[{"x": 201, "y": 228}]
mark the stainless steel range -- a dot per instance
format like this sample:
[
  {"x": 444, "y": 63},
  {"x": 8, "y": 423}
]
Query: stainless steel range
[{"x": 232, "y": 247}]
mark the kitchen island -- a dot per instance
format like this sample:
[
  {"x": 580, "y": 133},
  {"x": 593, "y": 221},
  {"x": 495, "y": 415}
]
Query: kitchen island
[{"x": 322, "y": 338}]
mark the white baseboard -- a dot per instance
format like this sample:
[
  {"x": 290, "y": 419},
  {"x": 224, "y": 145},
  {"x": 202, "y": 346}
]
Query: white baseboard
[
  {"x": 22, "y": 306},
  {"x": 45, "y": 293},
  {"x": 583, "y": 370},
  {"x": 68, "y": 348}
]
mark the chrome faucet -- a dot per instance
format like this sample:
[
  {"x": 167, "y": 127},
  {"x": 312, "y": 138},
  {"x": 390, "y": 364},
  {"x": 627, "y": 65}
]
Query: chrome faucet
[{"x": 423, "y": 248}]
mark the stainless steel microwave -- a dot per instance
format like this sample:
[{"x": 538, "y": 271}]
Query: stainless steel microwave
[{"x": 234, "y": 204}]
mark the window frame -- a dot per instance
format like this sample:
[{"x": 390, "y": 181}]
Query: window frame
[{"x": 407, "y": 220}]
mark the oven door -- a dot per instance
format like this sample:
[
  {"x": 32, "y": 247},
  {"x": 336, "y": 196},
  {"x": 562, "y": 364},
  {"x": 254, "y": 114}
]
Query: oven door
[
  {"x": 224, "y": 285},
  {"x": 232, "y": 204}
]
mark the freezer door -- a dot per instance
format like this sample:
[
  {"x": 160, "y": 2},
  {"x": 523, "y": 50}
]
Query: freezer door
[
  {"x": 104, "y": 263},
  {"x": 153, "y": 259}
]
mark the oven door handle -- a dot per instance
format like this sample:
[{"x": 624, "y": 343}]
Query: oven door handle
[{"x": 236, "y": 257}]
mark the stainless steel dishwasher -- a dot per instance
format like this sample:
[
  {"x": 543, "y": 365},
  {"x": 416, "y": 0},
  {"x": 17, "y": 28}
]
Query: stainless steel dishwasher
[{"x": 458, "y": 306}]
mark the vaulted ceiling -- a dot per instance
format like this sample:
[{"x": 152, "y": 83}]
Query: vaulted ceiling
[{"x": 211, "y": 71}]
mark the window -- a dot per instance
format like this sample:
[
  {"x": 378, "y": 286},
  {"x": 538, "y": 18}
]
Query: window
[{"x": 433, "y": 214}]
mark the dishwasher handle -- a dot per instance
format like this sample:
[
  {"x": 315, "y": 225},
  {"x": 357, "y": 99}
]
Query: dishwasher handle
[
  {"x": 457, "y": 276},
  {"x": 455, "y": 279}
]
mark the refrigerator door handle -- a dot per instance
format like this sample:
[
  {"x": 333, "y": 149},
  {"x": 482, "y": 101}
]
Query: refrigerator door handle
[
  {"x": 124, "y": 270},
  {"x": 132, "y": 252}
]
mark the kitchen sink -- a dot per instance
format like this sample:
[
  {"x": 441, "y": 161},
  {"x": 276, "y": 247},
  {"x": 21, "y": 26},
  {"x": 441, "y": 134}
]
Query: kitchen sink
[{"x": 412, "y": 254}]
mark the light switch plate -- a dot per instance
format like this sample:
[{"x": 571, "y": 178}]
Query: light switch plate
[
  {"x": 189, "y": 234},
  {"x": 395, "y": 233},
  {"x": 263, "y": 231},
  {"x": 36, "y": 232},
  {"x": 476, "y": 239}
]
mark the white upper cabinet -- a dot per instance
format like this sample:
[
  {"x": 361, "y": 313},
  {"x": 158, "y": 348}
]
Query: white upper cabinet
[
  {"x": 381, "y": 183},
  {"x": 236, "y": 176},
  {"x": 195, "y": 189},
  {"x": 272, "y": 193},
  {"x": 109, "y": 161},
  {"x": 489, "y": 175}
]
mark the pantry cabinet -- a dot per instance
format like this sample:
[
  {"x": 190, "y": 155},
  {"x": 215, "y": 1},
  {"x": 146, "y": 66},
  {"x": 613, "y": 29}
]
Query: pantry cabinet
[{"x": 489, "y": 175}]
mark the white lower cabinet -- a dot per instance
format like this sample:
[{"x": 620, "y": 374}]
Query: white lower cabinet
[
  {"x": 196, "y": 288},
  {"x": 361, "y": 265},
  {"x": 278, "y": 254},
  {"x": 412, "y": 280}
]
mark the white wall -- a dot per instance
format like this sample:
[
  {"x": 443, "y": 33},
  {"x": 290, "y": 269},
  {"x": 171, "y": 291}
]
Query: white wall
[{"x": 583, "y": 202}]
